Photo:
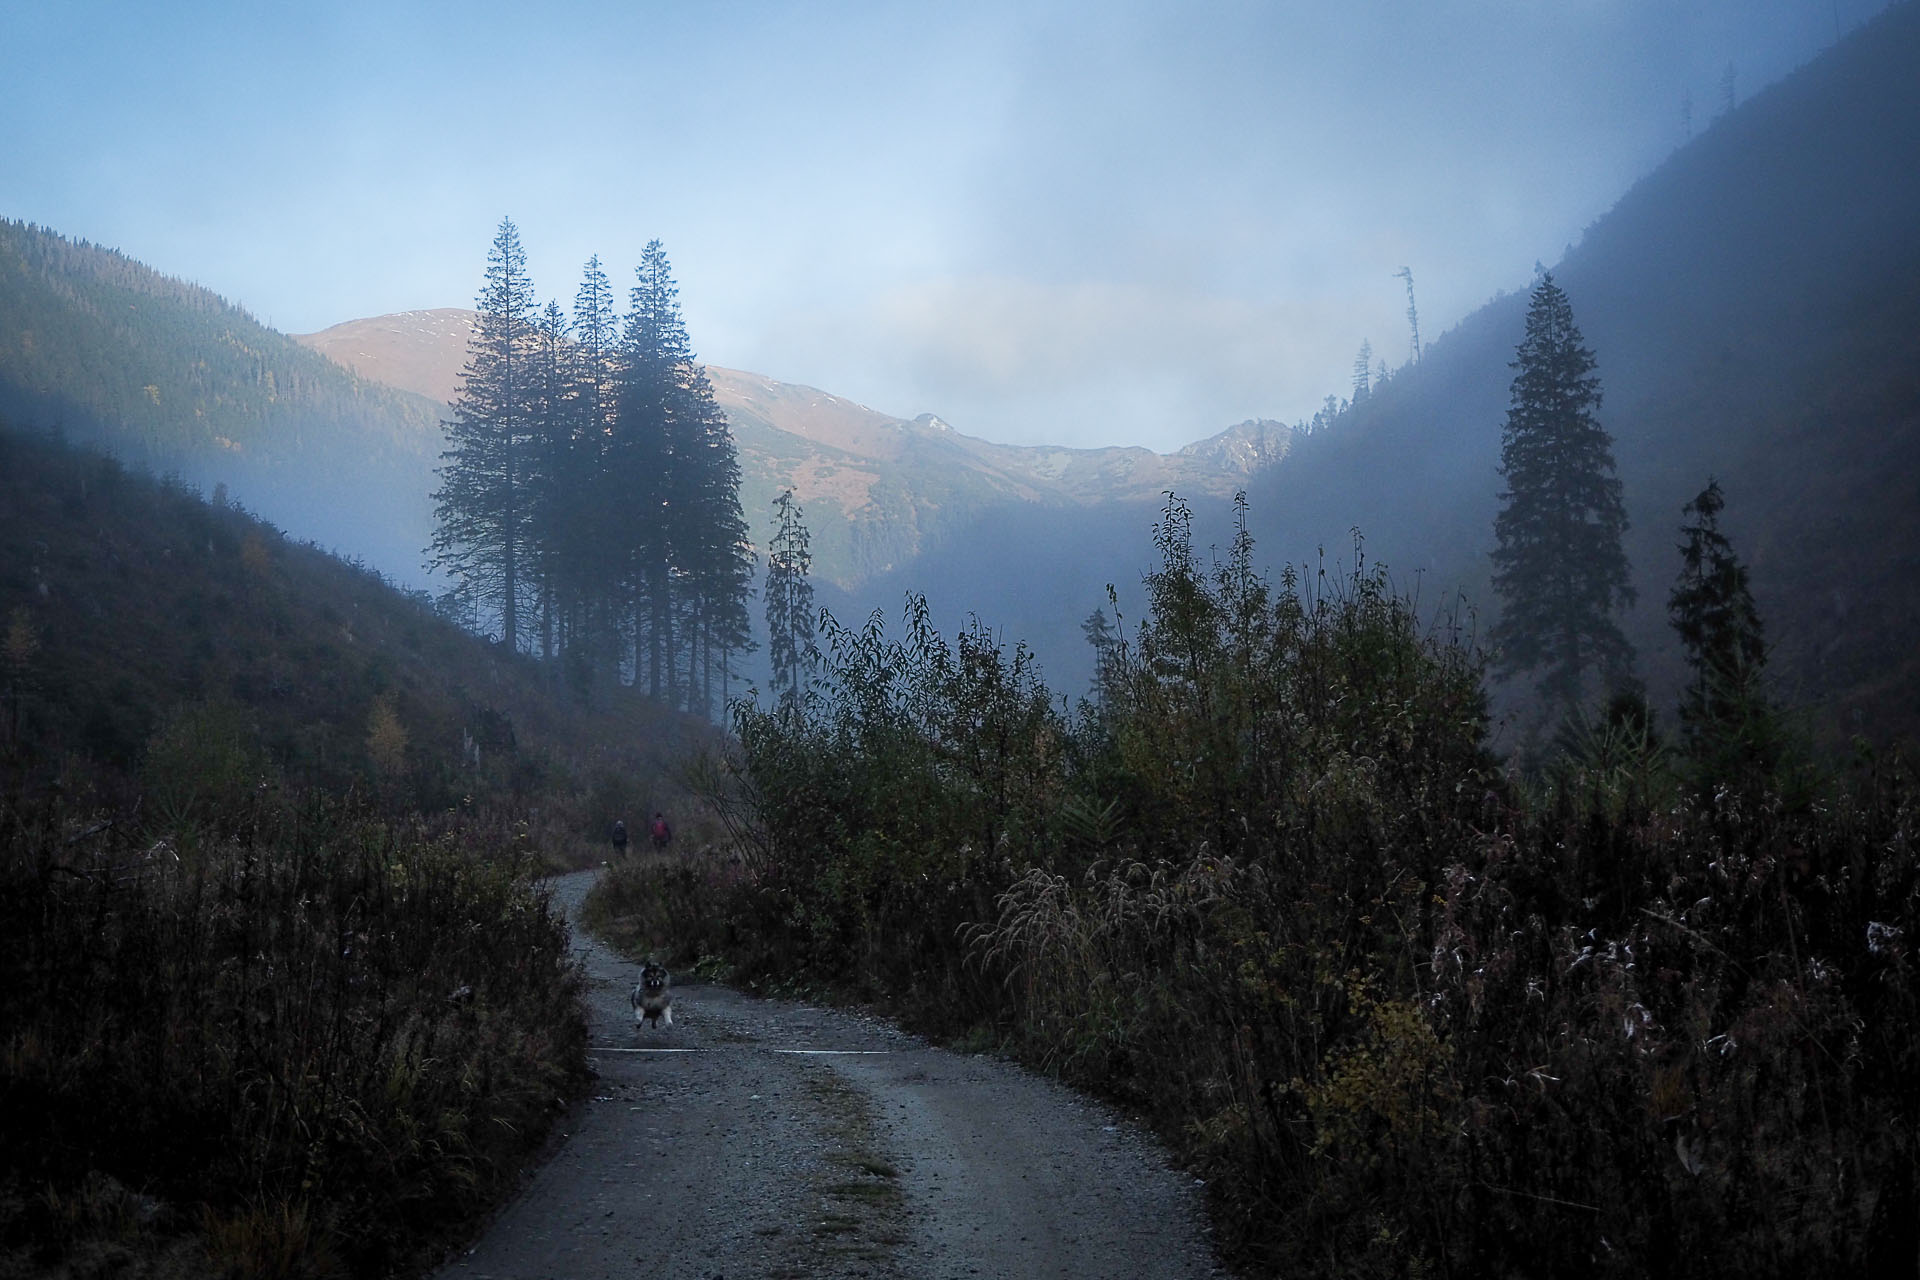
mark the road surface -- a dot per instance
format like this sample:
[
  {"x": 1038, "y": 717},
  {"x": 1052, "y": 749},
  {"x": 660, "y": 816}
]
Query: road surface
[{"x": 762, "y": 1138}]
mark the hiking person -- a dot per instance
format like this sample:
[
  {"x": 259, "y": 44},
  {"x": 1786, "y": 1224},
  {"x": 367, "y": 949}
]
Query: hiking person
[
  {"x": 619, "y": 837},
  {"x": 660, "y": 831}
]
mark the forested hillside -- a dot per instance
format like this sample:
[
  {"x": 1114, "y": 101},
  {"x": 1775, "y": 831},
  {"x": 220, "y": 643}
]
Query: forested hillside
[
  {"x": 279, "y": 991},
  {"x": 132, "y": 607},
  {"x": 172, "y": 378},
  {"x": 1754, "y": 306}
]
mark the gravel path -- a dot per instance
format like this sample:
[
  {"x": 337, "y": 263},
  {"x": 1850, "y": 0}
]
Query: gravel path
[{"x": 761, "y": 1138}]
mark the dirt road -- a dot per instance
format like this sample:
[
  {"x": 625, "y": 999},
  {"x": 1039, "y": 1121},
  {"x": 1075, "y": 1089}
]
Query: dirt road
[{"x": 759, "y": 1138}]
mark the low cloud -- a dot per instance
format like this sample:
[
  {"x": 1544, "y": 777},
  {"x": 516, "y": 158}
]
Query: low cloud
[{"x": 1086, "y": 362}]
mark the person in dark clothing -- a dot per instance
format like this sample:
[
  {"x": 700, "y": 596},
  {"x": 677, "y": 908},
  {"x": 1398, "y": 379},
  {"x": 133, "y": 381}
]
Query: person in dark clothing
[
  {"x": 619, "y": 837},
  {"x": 660, "y": 831}
]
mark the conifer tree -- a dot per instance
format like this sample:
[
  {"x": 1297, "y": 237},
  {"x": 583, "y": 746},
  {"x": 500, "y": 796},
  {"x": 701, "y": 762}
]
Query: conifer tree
[
  {"x": 596, "y": 334},
  {"x": 789, "y": 598},
  {"x": 552, "y": 408},
  {"x": 595, "y": 510},
  {"x": 645, "y": 454},
  {"x": 1559, "y": 568},
  {"x": 1104, "y": 639},
  {"x": 678, "y": 476},
  {"x": 481, "y": 507},
  {"x": 1413, "y": 312},
  {"x": 1724, "y": 709},
  {"x": 714, "y": 552}
]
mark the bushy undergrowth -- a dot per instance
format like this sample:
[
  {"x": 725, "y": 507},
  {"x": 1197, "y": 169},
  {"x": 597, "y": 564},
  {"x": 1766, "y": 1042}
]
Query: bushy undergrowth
[
  {"x": 675, "y": 908},
  {"x": 276, "y": 996},
  {"x": 1408, "y": 1013},
  {"x": 890, "y": 808},
  {"x": 285, "y": 1037}
]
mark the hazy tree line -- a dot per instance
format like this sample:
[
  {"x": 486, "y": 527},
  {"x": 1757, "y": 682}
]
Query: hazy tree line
[
  {"x": 165, "y": 372},
  {"x": 588, "y": 504}
]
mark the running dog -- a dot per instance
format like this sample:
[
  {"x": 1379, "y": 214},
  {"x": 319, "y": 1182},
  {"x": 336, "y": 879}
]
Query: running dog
[{"x": 653, "y": 996}]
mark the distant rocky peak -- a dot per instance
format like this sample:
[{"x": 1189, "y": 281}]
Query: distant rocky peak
[
  {"x": 933, "y": 422},
  {"x": 1244, "y": 448}
]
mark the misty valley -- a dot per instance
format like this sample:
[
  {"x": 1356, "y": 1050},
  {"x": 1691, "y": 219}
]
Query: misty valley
[{"x": 1474, "y": 828}]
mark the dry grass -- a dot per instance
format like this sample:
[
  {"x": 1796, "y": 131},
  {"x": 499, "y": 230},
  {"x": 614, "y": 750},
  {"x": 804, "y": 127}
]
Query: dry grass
[{"x": 312, "y": 1040}]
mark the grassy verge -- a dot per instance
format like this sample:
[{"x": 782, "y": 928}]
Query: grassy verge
[{"x": 297, "y": 1041}]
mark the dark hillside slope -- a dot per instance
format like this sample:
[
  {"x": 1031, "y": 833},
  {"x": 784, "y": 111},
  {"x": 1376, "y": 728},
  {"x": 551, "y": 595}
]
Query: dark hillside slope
[
  {"x": 170, "y": 377},
  {"x": 1754, "y": 305},
  {"x": 280, "y": 994},
  {"x": 128, "y": 606}
]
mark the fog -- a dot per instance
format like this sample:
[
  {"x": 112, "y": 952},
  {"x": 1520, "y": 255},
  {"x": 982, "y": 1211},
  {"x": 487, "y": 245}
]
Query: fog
[
  {"x": 1074, "y": 225},
  {"x": 1066, "y": 223},
  {"x": 1751, "y": 306}
]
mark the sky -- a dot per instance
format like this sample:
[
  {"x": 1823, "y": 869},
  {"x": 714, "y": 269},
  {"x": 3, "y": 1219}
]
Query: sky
[{"x": 1082, "y": 224}]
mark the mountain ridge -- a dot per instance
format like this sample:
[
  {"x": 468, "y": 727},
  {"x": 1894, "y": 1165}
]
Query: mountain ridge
[
  {"x": 878, "y": 489},
  {"x": 1754, "y": 305}
]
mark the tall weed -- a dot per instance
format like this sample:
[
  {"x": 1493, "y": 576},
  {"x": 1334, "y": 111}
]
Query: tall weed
[{"x": 292, "y": 1014}]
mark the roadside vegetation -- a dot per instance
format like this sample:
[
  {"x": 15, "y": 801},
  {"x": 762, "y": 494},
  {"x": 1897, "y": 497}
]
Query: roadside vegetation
[
  {"x": 1641, "y": 1004},
  {"x": 289, "y": 1038},
  {"x": 279, "y": 994}
]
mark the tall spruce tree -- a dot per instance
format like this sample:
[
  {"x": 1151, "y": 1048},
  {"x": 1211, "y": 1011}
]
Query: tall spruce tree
[
  {"x": 552, "y": 414},
  {"x": 678, "y": 477},
  {"x": 596, "y": 509},
  {"x": 789, "y": 598},
  {"x": 1559, "y": 568},
  {"x": 645, "y": 453},
  {"x": 1724, "y": 710},
  {"x": 481, "y": 506},
  {"x": 714, "y": 552}
]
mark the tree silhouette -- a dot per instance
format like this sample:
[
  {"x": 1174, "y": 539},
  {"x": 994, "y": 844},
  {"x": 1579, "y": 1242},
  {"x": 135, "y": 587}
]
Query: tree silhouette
[
  {"x": 594, "y": 562},
  {"x": 481, "y": 507},
  {"x": 677, "y": 474},
  {"x": 550, "y": 484},
  {"x": 644, "y": 460},
  {"x": 789, "y": 597},
  {"x": 1724, "y": 709},
  {"x": 1558, "y": 566}
]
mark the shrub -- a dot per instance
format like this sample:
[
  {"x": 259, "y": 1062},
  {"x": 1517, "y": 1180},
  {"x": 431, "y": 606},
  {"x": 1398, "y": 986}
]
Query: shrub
[
  {"x": 884, "y": 811},
  {"x": 1407, "y": 1014},
  {"x": 295, "y": 1026}
]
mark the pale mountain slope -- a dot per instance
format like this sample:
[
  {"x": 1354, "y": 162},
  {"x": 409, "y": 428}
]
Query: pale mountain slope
[{"x": 879, "y": 491}]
